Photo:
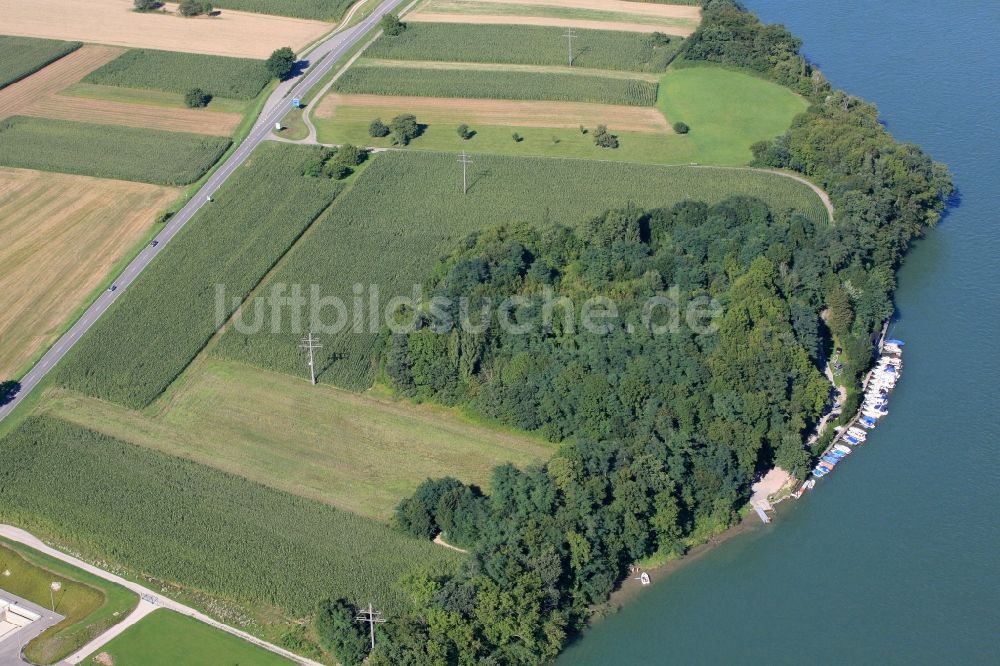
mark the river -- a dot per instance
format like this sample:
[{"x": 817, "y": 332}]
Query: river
[{"x": 894, "y": 558}]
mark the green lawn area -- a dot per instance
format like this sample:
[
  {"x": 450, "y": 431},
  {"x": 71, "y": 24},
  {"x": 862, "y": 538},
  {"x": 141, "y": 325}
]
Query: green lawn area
[
  {"x": 407, "y": 208},
  {"x": 90, "y": 605},
  {"x": 293, "y": 127},
  {"x": 350, "y": 125},
  {"x": 166, "y": 638},
  {"x": 727, "y": 111},
  {"x": 361, "y": 453}
]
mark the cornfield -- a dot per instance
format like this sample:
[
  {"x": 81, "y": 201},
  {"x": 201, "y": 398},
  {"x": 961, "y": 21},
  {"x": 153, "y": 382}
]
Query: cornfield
[
  {"x": 320, "y": 10},
  {"x": 387, "y": 80},
  {"x": 23, "y": 56}
]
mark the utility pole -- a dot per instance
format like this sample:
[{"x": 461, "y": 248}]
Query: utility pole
[
  {"x": 372, "y": 617},
  {"x": 569, "y": 36},
  {"x": 311, "y": 344},
  {"x": 465, "y": 161}
]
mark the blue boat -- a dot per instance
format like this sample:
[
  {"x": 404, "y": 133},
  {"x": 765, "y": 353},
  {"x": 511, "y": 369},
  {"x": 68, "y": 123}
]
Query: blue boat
[
  {"x": 819, "y": 471},
  {"x": 830, "y": 459},
  {"x": 839, "y": 455},
  {"x": 894, "y": 341},
  {"x": 851, "y": 440}
]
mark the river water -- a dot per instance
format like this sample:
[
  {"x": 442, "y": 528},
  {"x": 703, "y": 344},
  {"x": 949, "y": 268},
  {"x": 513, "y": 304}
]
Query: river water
[{"x": 894, "y": 558}]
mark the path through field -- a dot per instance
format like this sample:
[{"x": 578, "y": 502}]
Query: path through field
[
  {"x": 502, "y": 112},
  {"x": 38, "y": 95}
]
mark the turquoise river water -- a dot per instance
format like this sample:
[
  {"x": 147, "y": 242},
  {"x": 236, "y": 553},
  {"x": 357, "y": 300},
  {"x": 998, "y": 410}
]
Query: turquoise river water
[{"x": 895, "y": 557}]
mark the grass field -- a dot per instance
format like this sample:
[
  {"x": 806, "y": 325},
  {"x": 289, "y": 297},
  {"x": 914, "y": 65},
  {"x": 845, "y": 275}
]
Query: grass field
[
  {"x": 235, "y": 78},
  {"x": 360, "y": 453},
  {"x": 379, "y": 79},
  {"x": 166, "y": 100},
  {"x": 60, "y": 236},
  {"x": 171, "y": 307},
  {"x": 273, "y": 554},
  {"x": 728, "y": 111},
  {"x": 108, "y": 151},
  {"x": 166, "y": 638},
  {"x": 529, "y": 45},
  {"x": 23, "y": 56},
  {"x": 88, "y": 604},
  {"x": 429, "y": 215},
  {"x": 239, "y": 34},
  {"x": 610, "y": 15}
]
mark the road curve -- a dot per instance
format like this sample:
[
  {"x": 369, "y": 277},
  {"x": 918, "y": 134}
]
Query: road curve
[
  {"x": 148, "y": 599},
  {"x": 321, "y": 60}
]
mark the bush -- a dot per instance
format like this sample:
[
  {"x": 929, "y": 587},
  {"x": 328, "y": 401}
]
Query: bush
[
  {"x": 146, "y": 5},
  {"x": 604, "y": 138},
  {"x": 378, "y": 129},
  {"x": 196, "y": 98},
  {"x": 517, "y": 137},
  {"x": 8, "y": 390},
  {"x": 281, "y": 63},
  {"x": 681, "y": 128},
  {"x": 404, "y": 128},
  {"x": 391, "y": 25},
  {"x": 194, "y": 8},
  {"x": 465, "y": 132},
  {"x": 339, "y": 632},
  {"x": 164, "y": 216}
]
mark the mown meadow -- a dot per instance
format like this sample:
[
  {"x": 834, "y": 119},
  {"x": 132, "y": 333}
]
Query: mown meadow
[
  {"x": 388, "y": 80},
  {"x": 200, "y": 528},
  {"x": 108, "y": 151},
  {"x": 168, "y": 314},
  {"x": 422, "y": 214},
  {"x": 527, "y": 45},
  {"x": 23, "y": 56},
  {"x": 170, "y": 71}
]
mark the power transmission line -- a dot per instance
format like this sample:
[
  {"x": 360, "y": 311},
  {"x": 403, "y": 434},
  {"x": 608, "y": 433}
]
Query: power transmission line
[
  {"x": 372, "y": 617},
  {"x": 311, "y": 344},
  {"x": 465, "y": 161},
  {"x": 569, "y": 36}
]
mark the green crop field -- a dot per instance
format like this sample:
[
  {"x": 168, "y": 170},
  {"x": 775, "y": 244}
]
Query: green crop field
[
  {"x": 388, "y": 80},
  {"x": 728, "y": 111},
  {"x": 317, "y": 442},
  {"x": 89, "y": 605},
  {"x": 422, "y": 213},
  {"x": 166, "y": 638},
  {"x": 320, "y": 10},
  {"x": 23, "y": 56},
  {"x": 526, "y": 45},
  {"x": 169, "y": 313},
  {"x": 108, "y": 151},
  {"x": 200, "y": 528},
  {"x": 235, "y": 78}
]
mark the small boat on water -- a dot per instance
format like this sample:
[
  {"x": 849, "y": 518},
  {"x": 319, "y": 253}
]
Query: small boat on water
[
  {"x": 869, "y": 422},
  {"x": 644, "y": 578},
  {"x": 846, "y": 450},
  {"x": 853, "y": 441},
  {"x": 819, "y": 472}
]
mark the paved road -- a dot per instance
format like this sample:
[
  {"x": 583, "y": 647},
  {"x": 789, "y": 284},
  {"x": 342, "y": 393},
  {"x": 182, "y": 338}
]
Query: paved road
[
  {"x": 149, "y": 599},
  {"x": 12, "y": 645},
  {"x": 321, "y": 59}
]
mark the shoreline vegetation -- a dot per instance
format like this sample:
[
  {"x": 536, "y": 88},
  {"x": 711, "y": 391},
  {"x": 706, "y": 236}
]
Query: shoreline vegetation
[{"x": 660, "y": 461}]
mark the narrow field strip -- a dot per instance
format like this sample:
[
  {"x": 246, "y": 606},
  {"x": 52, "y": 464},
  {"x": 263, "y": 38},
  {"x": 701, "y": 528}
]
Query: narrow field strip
[
  {"x": 194, "y": 121},
  {"x": 584, "y": 24},
  {"x": 23, "y": 56},
  {"x": 498, "y": 85},
  {"x": 498, "y": 112},
  {"x": 18, "y": 97},
  {"x": 494, "y": 67},
  {"x": 639, "y": 8},
  {"x": 59, "y": 237}
]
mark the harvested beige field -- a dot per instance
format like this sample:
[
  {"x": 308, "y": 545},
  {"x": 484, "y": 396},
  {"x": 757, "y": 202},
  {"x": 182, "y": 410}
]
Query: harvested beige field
[
  {"x": 112, "y": 22},
  {"x": 38, "y": 96},
  {"x": 637, "y": 8},
  {"x": 17, "y": 98},
  {"x": 583, "y": 24},
  {"x": 59, "y": 237},
  {"x": 502, "y": 112}
]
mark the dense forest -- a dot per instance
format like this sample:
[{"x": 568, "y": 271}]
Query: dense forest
[{"x": 662, "y": 431}]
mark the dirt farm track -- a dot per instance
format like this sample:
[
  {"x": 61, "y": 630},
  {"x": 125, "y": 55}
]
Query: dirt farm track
[{"x": 112, "y": 22}]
